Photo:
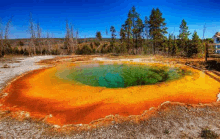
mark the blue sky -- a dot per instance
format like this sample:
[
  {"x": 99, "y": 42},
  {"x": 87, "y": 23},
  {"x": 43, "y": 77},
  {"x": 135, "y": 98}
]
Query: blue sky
[{"x": 89, "y": 16}]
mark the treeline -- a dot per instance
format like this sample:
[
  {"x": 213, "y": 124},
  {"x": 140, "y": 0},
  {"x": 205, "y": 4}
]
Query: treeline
[
  {"x": 24, "y": 49},
  {"x": 136, "y": 36},
  {"x": 149, "y": 36},
  {"x": 37, "y": 44},
  {"x": 21, "y": 49}
]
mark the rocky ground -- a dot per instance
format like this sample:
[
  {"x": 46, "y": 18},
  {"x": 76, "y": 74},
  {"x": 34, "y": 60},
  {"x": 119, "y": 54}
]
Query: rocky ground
[
  {"x": 171, "y": 120},
  {"x": 11, "y": 67}
]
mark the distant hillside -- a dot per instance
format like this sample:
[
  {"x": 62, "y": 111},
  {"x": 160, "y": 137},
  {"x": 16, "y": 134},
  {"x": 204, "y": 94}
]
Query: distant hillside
[{"x": 59, "y": 39}]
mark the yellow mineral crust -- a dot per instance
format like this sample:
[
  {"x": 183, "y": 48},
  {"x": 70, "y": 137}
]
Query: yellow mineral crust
[{"x": 42, "y": 93}]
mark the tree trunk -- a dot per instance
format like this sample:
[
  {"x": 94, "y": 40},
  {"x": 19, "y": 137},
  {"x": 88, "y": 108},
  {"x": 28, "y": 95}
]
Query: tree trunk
[
  {"x": 206, "y": 52},
  {"x": 154, "y": 47},
  {"x": 136, "y": 45}
]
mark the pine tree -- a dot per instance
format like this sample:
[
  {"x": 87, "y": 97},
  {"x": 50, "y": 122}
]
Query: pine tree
[
  {"x": 138, "y": 33},
  {"x": 112, "y": 45},
  {"x": 122, "y": 34},
  {"x": 183, "y": 36},
  {"x": 146, "y": 34},
  {"x": 195, "y": 44},
  {"x": 174, "y": 49},
  {"x": 169, "y": 44},
  {"x": 134, "y": 16},
  {"x": 146, "y": 28},
  {"x": 127, "y": 27},
  {"x": 113, "y": 31},
  {"x": 184, "y": 33},
  {"x": 132, "y": 29},
  {"x": 99, "y": 35},
  {"x": 157, "y": 27}
]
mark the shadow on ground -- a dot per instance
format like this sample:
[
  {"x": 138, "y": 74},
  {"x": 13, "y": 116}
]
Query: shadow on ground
[{"x": 213, "y": 65}]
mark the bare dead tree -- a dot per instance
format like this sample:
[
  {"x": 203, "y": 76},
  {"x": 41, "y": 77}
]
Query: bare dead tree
[
  {"x": 1, "y": 38},
  {"x": 204, "y": 45},
  {"x": 204, "y": 29},
  {"x": 6, "y": 35},
  {"x": 7, "y": 29},
  {"x": 48, "y": 42},
  {"x": 73, "y": 45},
  {"x": 69, "y": 38},
  {"x": 106, "y": 31},
  {"x": 76, "y": 38},
  {"x": 32, "y": 33},
  {"x": 39, "y": 32},
  {"x": 44, "y": 43},
  {"x": 85, "y": 39},
  {"x": 52, "y": 36},
  {"x": 71, "y": 30}
]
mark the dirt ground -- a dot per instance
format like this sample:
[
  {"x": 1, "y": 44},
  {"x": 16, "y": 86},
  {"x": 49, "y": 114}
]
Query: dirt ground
[{"x": 170, "y": 120}]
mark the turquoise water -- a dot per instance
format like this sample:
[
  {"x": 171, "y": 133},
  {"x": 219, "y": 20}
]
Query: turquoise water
[{"x": 122, "y": 76}]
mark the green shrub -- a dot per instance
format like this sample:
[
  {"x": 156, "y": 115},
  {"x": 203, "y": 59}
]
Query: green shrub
[
  {"x": 15, "y": 50},
  {"x": 85, "y": 50},
  {"x": 117, "y": 49},
  {"x": 97, "y": 43},
  {"x": 208, "y": 134},
  {"x": 92, "y": 47},
  {"x": 8, "y": 50},
  {"x": 55, "y": 52},
  {"x": 22, "y": 51},
  {"x": 123, "y": 48},
  {"x": 166, "y": 131},
  {"x": 38, "y": 51},
  {"x": 20, "y": 43},
  {"x": 104, "y": 48},
  {"x": 44, "y": 51},
  {"x": 65, "y": 45},
  {"x": 25, "y": 52},
  {"x": 110, "y": 48}
]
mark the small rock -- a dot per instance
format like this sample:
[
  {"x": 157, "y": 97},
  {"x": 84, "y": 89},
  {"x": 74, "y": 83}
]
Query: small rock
[
  {"x": 27, "y": 114},
  {"x": 4, "y": 94},
  {"x": 152, "y": 108},
  {"x": 50, "y": 116},
  {"x": 218, "y": 97},
  {"x": 6, "y": 66},
  {"x": 181, "y": 129},
  {"x": 56, "y": 126},
  {"x": 89, "y": 127}
]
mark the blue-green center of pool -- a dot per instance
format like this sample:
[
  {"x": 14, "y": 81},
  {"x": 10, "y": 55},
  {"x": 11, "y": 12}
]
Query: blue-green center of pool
[{"x": 122, "y": 76}]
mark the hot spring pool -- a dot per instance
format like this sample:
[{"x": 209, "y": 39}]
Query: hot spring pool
[
  {"x": 75, "y": 93},
  {"x": 121, "y": 75}
]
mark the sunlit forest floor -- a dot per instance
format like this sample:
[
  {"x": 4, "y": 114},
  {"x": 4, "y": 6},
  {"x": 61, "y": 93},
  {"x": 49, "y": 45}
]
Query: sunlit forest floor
[{"x": 168, "y": 120}]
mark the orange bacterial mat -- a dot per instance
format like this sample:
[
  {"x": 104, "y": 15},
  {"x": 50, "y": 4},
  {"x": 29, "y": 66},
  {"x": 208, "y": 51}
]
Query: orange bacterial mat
[{"x": 41, "y": 93}]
